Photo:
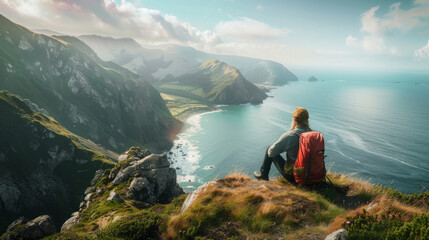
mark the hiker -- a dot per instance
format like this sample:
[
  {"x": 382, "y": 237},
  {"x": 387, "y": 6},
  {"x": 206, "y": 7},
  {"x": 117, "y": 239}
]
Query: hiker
[{"x": 289, "y": 142}]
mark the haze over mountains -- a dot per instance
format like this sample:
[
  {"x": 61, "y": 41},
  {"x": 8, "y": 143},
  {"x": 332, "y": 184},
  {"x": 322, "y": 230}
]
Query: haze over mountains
[
  {"x": 177, "y": 60},
  {"x": 152, "y": 64},
  {"x": 98, "y": 100}
]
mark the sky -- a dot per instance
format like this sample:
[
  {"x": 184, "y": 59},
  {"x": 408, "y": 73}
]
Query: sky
[{"x": 370, "y": 35}]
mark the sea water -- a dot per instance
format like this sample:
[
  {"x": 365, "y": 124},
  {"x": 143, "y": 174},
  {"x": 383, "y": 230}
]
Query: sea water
[{"x": 376, "y": 128}]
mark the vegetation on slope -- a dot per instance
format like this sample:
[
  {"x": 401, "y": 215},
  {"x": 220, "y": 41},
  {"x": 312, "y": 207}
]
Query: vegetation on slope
[
  {"x": 236, "y": 207},
  {"x": 215, "y": 83},
  {"x": 98, "y": 100},
  {"x": 182, "y": 107},
  {"x": 42, "y": 161}
]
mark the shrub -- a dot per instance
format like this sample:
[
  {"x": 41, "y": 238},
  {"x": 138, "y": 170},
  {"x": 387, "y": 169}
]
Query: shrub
[
  {"x": 372, "y": 227},
  {"x": 145, "y": 226}
]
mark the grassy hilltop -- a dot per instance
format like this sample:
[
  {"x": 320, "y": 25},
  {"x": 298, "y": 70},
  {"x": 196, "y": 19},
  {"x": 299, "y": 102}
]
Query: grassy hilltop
[{"x": 237, "y": 207}]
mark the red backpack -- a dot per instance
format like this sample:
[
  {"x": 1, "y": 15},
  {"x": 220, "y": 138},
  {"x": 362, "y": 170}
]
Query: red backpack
[{"x": 309, "y": 166}]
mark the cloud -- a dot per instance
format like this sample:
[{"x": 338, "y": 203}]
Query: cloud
[
  {"x": 106, "y": 17},
  {"x": 422, "y": 52},
  {"x": 371, "y": 23},
  {"x": 247, "y": 29},
  {"x": 351, "y": 41},
  {"x": 396, "y": 18},
  {"x": 374, "y": 44},
  {"x": 376, "y": 29},
  {"x": 259, "y": 7}
]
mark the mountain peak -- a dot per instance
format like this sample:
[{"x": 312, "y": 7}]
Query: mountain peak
[{"x": 215, "y": 65}]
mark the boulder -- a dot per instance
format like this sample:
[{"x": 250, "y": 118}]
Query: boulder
[
  {"x": 114, "y": 196},
  {"x": 191, "y": 197},
  {"x": 98, "y": 174},
  {"x": 70, "y": 222},
  {"x": 154, "y": 180},
  {"x": 141, "y": 189},
  {"x": 134, "y": 153},
  {"x": 37, "y": 228},
  {"x": 338, "y": 235},
  {"x": 16, "y": 223},
  {"x": 149, "y": 163}
]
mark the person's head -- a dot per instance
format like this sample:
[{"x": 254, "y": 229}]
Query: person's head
[{"x": 300, "y": 119}]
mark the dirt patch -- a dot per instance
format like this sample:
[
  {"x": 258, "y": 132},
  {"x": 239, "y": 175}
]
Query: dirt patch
[{"x": 226, "y": 230}]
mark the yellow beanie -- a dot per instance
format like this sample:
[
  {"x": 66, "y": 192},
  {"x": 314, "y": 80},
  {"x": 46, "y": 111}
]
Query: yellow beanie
[{"x": 300, "y": 115}]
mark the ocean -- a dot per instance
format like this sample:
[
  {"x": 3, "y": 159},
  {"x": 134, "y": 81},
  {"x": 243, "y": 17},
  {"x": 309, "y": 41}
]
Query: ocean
[{"x": 376, "y": 128}]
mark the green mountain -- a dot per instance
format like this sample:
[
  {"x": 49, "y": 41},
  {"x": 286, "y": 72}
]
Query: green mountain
[
  {"x": 218, "y": 83},
  {"x": 98, "y": 100},
  {"x": 44, "y": 168},
  {"x": 255, "y": 70},
  {"x": 158, "y": 64}
]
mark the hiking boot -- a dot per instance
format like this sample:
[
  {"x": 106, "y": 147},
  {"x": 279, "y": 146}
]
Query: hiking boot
[{"x": 259, "y": 176}]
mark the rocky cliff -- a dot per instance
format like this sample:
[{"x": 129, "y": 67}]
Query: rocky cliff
[
  {"x": 44, "y": 169},
  {"x": 139, "y": 181},
  {"x": 98, "y": 100}
]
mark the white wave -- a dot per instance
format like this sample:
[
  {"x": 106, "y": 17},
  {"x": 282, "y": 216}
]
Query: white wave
[
  {"x": 186, "y": 178},
  {"x": 342, "y": 154},
  {"x": 282, "y": 107},
  {"x": 209, "y": 167},
  {"x": 355, "y": 141},
  {"x": 184, "y": 156},
  {"x": 282, "y": 126}
]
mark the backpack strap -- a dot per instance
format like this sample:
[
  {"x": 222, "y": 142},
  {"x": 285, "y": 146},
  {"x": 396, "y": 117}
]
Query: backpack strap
[{"x": 298, "y": 133}]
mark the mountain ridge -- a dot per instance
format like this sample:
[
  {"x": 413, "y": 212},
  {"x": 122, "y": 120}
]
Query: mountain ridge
[
  {"x": 96, "y": 99},
  {"x": 219, "y": 83},
  {"x": 256, "y": 70},
  {"x": 158, "y": 64}
]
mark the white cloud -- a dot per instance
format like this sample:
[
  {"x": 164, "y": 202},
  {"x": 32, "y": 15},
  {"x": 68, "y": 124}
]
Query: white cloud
[
  {"x": 422, "y": 2},
  {"x": 374, "y": 44},
  {"x": 351, "y": 41},
  {"x": 370, "y": 23},
  {"x": 105, "y": 17},
  {"x": 247, "y": 29},
  {"x": 422, "y": 52},
  {"x": 376, "y": 29},
  {"x": 259, "y": 7}
]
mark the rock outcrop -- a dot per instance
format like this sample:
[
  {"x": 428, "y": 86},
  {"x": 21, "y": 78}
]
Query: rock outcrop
[
  {"x": 139, "y": 177},
  {"x": 338, "y": 235},
  {"x": 312, "y": 79},
  {"x": 37, "y": 228}
]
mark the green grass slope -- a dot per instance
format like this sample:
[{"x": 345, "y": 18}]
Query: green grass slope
[
  {"x": 44, "y": 168},
  {"x": 98, "y": 100},
  {"x": 216, "y": 82},
  {"x": 236, "y": 207}
]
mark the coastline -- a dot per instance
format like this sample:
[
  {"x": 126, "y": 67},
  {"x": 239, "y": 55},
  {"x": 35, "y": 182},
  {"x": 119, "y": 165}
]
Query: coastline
[{"x": 184, "y": 156}]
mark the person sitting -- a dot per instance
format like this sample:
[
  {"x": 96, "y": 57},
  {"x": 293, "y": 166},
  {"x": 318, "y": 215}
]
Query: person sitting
[{"x": 289, "y": 143}]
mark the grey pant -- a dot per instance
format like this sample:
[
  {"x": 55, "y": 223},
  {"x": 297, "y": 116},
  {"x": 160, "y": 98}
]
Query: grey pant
[{"x": 279, "y": 162}]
